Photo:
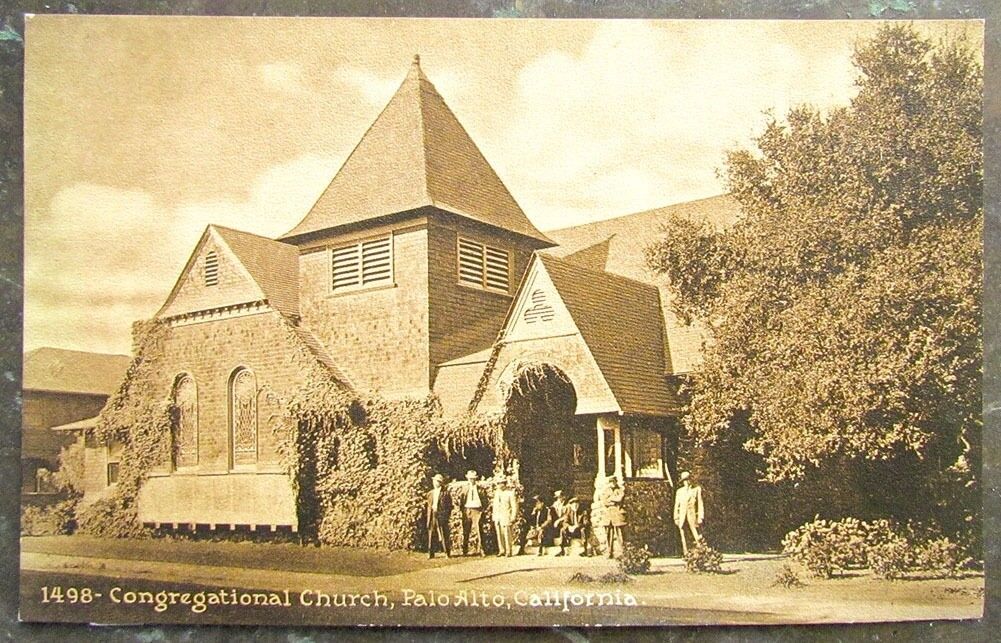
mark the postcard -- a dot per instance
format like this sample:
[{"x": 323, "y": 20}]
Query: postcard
[{"x": 501, "y": 322}]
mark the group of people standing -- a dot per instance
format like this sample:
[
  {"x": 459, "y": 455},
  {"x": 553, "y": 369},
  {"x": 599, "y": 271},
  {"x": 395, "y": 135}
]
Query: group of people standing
[{"x": 560, "y": 521}]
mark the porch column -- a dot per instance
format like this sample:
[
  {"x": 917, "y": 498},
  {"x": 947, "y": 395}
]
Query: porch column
[
  {"x": 601, "y": 449},
  {"x": 609, "y": 423},
  {"x": 617, "y": 431}
]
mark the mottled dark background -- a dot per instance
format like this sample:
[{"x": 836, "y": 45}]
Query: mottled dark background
[{"x": 11, "y": 226}]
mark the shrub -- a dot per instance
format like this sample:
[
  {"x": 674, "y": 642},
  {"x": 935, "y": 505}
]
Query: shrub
[
  {"x": 608, "y": 578},
  {"x": 788, "y": 578},
  {"x": 940, "y": 558},
  {"x": 703, "y": 559},
  {"x": 890, "y": 551},
  {"x": 110, "y": 518},
  {"x": 829, "y": 547},
  {"x": 56, "y": 519},
  {"x": 890, "y": 559},
  {"x": 634, "y": 560}
]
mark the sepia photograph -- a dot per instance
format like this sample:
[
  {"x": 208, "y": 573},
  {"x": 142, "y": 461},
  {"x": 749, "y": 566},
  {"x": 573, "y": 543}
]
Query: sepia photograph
[{"x": 508, "y": 322}]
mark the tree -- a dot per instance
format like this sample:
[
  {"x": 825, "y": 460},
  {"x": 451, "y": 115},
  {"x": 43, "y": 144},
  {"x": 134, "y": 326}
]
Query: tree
[{"x": 844, "y": 307}]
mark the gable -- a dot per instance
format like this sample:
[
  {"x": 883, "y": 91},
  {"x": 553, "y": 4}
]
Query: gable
[
  {"x": 622, "y": 323},
  {"x": 196, "y": 290},
  {"x": 538, "y": 310}
]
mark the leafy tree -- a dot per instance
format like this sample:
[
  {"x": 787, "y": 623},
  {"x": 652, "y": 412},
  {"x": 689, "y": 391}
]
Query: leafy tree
[{"x": 844, "y": 306}]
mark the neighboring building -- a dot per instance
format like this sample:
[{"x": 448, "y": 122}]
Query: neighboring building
[
  {"x": 415, "y": 272},
  {"x": 59, "y": 387}
]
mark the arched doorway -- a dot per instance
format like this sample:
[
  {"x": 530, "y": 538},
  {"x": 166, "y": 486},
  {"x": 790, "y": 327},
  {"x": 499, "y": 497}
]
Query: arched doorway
[{"x": 539, "y": 428}]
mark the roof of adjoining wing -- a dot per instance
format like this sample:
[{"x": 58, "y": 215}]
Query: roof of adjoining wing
[
  {"x": 620, "y": 320},
  {"x": 617, "y": 245},
  {"x": 416, "y": 154},
  {"x": 65, "y": 371}
]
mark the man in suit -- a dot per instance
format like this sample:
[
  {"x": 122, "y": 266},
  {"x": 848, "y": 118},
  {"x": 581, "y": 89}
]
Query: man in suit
[
  {"x": 573, "y": 523},
  {"x": 472, "y": 506},
  {"x": 688, "y": 509},
  {"x": 504, "y": 509},
  {"x": 438, "y": 509}
]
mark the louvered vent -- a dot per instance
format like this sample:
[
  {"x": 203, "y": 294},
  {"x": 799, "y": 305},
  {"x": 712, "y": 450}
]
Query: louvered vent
[
  {"x": 484, "y": 266},
  {"x": 211, "y": 268},
  {"x": 540, "y": 310},
  {"x": 362, "y": 264}
]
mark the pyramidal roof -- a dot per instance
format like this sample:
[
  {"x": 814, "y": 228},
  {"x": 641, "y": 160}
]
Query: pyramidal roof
[{"x": 416, "y": 154}]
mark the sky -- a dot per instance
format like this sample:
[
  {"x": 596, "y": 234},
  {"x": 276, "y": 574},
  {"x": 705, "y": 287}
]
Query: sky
[{"x": 140, "y": 131}]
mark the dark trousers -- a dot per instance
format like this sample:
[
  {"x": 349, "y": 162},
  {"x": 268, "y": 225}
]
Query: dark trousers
[
  {"x": 471, "y": 525},
  {"x": 567, "y": 533},
  {"x": 436, "y": 531}
]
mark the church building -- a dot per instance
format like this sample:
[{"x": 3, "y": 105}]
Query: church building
[{"x": 415, "y": 273}]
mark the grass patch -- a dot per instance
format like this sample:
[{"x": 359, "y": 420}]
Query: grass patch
[{"x": 245, "y": 555}]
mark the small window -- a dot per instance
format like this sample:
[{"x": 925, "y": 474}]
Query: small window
[
  {"x": 645, "y": 450},
  {"x": 362, "y": 264},
  {"x": 484, "y": 266},
  {"x": 211, "y": 268},
  {"x": 112, "y": 473}
]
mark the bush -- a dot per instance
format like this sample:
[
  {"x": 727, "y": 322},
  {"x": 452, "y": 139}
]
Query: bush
[
  {"x": 634, "y": 560},
  {"x": 940, "y": 558},
  {"x": 827, "y": 548},
  {"x": 890, "y": 559},
  {"x": 890, "y": 551},
  {"x": 703, "y": 559},
  {"x": 49, "y": 520},
  {"x": 110, "y": 518},
  {"x": 788, "y": 578},
  {"x": 608, "y": 578}
]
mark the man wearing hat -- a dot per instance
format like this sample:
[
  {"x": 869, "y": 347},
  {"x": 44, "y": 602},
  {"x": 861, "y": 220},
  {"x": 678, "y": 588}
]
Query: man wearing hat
[
  {"x": 439, "y": 508},
  {"x": 572, "y": 523},
  {"x": 539, "y": 521},
  {"x": 688, "y": 509},
  {"x": 613, "y": 516},
  {"x": 472, "y": 511},
  {"x": 504, "y": 509}
]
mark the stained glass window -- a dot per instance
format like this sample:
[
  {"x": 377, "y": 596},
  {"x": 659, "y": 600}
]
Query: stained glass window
[
  {"x": 243, "y": 417},
  {"x": 185, "y": 422}
]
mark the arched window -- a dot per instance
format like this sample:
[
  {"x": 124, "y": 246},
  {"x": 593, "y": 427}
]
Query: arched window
[
  {"x": 243, "y": 416},
  {"x": 185, "y": 427}
]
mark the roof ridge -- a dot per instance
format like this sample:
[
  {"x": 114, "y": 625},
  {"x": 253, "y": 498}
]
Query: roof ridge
[
  {"x": 418, "y": 73},
  {"x": 562, "y": 261},
  {"x": 354, "y": 149},
  {"x": 641, "y": 212}
]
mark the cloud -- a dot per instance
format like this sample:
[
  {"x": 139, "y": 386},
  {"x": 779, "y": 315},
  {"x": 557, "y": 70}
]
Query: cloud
[
  {"x": 640, "y": 118},
  {"x": 282, "y": 77},
  {"x": 106, "y": 257},
  {"x": 370, "y": 87}
]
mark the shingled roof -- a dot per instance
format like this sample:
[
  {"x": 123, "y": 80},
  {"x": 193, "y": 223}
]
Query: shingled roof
[
  {"x": 620, "y": 320},
  {"x": 617, "y": 245},
  {"x": 273, "y": 265},
  {"x": 65, "y": 371},
  {"x": 416, "y": 154}
]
